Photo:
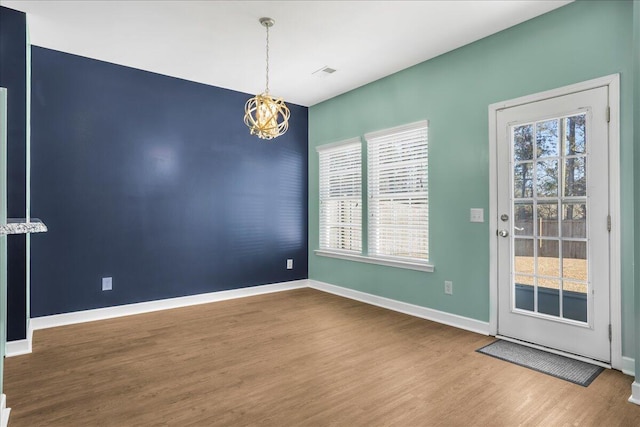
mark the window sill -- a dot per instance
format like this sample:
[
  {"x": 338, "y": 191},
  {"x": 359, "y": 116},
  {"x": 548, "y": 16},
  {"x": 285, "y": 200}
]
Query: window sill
[{"x": 372, "y": 260}]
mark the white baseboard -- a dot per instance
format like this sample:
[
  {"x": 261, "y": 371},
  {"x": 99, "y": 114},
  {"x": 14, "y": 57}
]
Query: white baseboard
[
  {"x": 628, "y": 366},
  {"x": 16, "y": 348},
  {"x": 19, "y": 347},
  {"x": 406, "y": 308},
  {"x": 165, "y": 304},
  {"x": 635, "y": 393},
  {"x": 4, "y": 412}
]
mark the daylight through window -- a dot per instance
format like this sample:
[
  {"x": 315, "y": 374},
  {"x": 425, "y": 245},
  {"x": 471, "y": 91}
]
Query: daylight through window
[
  {"x": 398, "y": 208},
  {"x": 341, "y": 196}
]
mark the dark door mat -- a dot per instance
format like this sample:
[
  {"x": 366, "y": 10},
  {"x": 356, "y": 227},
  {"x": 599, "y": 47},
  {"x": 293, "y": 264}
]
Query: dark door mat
[{"x": 575, "y": 371}]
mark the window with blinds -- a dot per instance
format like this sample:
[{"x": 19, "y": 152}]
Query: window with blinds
[
  {"x": 341, "y": 196},
  {"x": 398, "y": 208}
]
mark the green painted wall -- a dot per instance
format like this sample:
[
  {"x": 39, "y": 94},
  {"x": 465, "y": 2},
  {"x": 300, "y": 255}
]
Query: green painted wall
[{"x": 581, "y": 41}]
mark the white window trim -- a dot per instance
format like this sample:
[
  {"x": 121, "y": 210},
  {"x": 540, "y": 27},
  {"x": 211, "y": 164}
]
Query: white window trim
[
  {"x": 332, "y": 145},
  {"x": 358, "y": 257},
  {"x": 429, "y": 268},
  {"x": 397, "y": 129}
]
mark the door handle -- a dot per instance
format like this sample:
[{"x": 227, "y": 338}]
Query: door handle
[{"x": 502, "y": 233}]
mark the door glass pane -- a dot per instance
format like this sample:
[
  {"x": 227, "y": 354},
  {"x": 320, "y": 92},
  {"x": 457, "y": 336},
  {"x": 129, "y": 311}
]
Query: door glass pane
[
  {"x": 547, "y": 138},
  {"x": 523, "y": 286},
  {"x": 549, "y": 296},
  {"x": 574, "y": 220},
  {"x": 575, "y": 134},
  {"x": 523, "y": 142},
  {"x": 523, "y": 180},
  {"x": 574, "y": 260},
  {"x": 575, "y": 182},
  {"x": 524, "y": 256},
  {"x": 548, "y": 259},
  {"x": 547, "y": 178},
  {"x": 523, "y": 219},
  {"x": 574, "y": 300},
  {"x": 548, "y": 219}
]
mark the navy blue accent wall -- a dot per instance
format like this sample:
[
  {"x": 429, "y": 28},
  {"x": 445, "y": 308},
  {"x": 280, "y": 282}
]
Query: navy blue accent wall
[
  {"x": 13, "y": 76},
  {"x": 156, "y": 182}
]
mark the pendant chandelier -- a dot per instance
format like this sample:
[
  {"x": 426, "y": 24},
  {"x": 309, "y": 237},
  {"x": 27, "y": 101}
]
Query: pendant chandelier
[{"x": 266, "y": 116}]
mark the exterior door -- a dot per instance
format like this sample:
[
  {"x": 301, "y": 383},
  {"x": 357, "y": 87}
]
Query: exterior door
[{"x": 553, "y": 223}]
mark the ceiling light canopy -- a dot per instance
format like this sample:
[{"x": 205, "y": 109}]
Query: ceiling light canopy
[{"x": 266, "y": 116}]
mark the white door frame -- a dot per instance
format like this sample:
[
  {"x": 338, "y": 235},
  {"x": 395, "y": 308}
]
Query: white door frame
[{"x": 613, "y": 83}]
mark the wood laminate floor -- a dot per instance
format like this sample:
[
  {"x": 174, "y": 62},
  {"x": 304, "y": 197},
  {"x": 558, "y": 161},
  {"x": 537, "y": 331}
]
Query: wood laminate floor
[{"x": 292, "y": 358}]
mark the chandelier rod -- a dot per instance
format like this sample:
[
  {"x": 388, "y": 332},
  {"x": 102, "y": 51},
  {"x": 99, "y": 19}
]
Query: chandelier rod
[{"x": 267, "y": 25}]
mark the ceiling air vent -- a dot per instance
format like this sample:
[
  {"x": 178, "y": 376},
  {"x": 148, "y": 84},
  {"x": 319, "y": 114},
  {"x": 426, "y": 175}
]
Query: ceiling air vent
[{"x": 324, "y": 72}]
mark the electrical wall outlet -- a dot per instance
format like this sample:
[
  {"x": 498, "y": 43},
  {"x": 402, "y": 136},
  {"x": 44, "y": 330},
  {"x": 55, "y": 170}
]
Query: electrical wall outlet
[
  {"x": 107, "y": 283},
  {"x": 289, "y": 264},
  {"x": 448, "y": 287}
]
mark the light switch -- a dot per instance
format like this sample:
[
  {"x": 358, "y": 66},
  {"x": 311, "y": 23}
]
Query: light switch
[{"x": 476, "y": 215}]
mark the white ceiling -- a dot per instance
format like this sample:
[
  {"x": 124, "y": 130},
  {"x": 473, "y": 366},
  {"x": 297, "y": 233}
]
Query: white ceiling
[{"x": 221, "y": 43}]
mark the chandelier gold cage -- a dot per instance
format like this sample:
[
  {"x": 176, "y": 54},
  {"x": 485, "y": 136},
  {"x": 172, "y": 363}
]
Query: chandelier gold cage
[{"x": 266, "y": 116}]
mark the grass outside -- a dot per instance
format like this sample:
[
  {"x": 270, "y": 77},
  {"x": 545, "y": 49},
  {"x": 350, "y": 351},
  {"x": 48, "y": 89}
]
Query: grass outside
[{"x": 572, "y": 270}]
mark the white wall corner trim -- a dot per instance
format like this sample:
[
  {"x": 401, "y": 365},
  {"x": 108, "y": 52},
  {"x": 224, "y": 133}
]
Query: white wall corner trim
[
  {"x": 165, "y": 304},
  {"x": 454, "y": 320},
  {"x": 635, "y": 393},
  {"x": 4, "y": 412},
  {"x": 628, "y": 366},
  {"x": 19, "y": 347}
]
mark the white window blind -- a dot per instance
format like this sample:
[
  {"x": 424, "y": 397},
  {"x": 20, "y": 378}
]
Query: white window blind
[
  {"x": 341, "y": 196},
  {"x": 398, "y": 193}
]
